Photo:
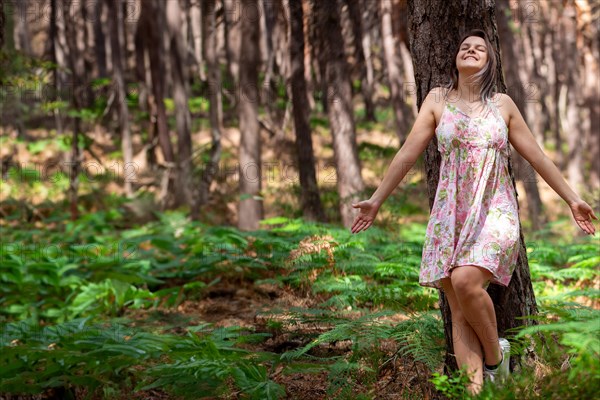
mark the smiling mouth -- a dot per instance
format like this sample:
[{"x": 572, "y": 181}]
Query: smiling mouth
[{"x": 473, "y": 57}]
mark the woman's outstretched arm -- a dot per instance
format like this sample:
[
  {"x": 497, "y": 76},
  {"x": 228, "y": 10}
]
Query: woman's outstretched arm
[
  {"x": 524, "y": 142},
  {"x": 417, "y": 140}
]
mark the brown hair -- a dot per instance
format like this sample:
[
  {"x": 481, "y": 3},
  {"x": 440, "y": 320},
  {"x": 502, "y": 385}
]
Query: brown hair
[{"x": 487, "y": 76}]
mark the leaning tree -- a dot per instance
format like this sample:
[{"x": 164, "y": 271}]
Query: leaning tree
[{"x": 432, "y": 48}]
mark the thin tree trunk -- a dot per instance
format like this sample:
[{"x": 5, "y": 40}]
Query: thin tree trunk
[
  {"x": 432, "y": 48},
  {"x": 209, "y": 34},
  {"x": 572, "y": 86},
  {"x": 1, "y": 24},
  {"x": 309, "y": 51},
  {"x": 85, "y": 44},
  {"x": 196, "y": 17},
  {"x": 366, "y": 86},
  {"x": 523, "y": 170},
  {"x": 115, "y": 15},
  {"x": 267, "y": 22},
  {"x": 145, "y": 99},
  {"x": 151, "y": 18},
  {"x": 311, "y": 202},
  {"x": 185, "y": 186},
  {"x": 394, "y": 71},
  {"x": 21, "y": 33},
  {"x": 318, "y": 53},
  {"x": 250, "y": 206},
  {"x": 557, "y": 57},
  {"x": 232, "y": 36},
  {"x": 591, "y": 56},
  {"x": 73, "y": 29},
  {"x": 99, "y": 39},
  {"x": 339, "y": 98},
  {"x": 400, "y": 29},
  {"x": 57, "y": 54}
]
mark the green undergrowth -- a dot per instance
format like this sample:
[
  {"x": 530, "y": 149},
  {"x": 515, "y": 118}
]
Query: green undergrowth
[{"x": 69, "y": 290}]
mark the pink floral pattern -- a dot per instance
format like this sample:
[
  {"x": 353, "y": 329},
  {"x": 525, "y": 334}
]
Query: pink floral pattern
[{"x": 474, "y": 219}]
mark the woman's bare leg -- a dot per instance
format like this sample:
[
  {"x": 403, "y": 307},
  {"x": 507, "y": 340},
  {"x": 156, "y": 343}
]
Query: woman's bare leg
[
  {"x": 467, "y": 347},
  {"x": 477, "y": 307}
]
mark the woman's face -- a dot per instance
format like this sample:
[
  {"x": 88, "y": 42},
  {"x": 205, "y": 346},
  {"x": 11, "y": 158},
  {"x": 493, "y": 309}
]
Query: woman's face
[{"x": 472, "y": 55}]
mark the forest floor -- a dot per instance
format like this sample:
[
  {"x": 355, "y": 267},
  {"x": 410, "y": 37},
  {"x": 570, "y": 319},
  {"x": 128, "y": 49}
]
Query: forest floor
[{"x": 249, "y": 306}]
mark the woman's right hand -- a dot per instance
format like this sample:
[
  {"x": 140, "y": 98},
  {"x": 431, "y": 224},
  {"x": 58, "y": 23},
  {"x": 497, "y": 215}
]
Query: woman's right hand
[{"x": 366, "y": 216}]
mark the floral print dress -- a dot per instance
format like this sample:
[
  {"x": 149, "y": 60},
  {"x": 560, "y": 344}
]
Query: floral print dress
[{"x": 474, "y": 219}]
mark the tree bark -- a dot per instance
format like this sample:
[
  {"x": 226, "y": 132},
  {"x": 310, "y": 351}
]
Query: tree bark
[
  {"x": 151, "y": 18},
  {"x": 99, "y": 40},
  {"x": 523, "y": 170},
  {"x": 572, "y": 124},
  {"x": 186, "y": 192},
  {"x": 250, "y": 206},
  {"x": 557, "y": 61},
  {"x": 366, "y": 85},
  {"x": 432, "y": 49},
  {"x": 1, "y": 24},
  {"x": 196, "y": 17},
  {"x": 312, "y": 208},
  {"x": 21, "y": 32},
  {"x": 209, "y": 34},
  {"x": 145, "y": 98},
  {"x": 115, "y": 15},
  {"x": 339, "y": 99},
  {"x": 72, "y": 28},
  {"x": 591, "y": 56},
  {"x": 58, "y": 54},
  {"x": 232, "y": 36},
  {"x": 393, "y": 66}
]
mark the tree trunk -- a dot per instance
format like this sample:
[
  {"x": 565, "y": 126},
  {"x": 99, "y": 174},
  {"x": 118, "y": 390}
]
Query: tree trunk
[
  {"x": 366, "y": 85},
  {"x": 185, "y": 186},
  {"x": 151, "y": 16},
  {"x": 99, "y": 39},
  {"x": 21, "y": 33},
  {"x": 523, "y": 170},
  {"x": 73, "y": 26},
  {"x": 339, "y": 99},
  {"x": 57, "y": 54},
  {"x": 115, "y": 16},
  {"x": 400, "y": 30},
  {"x": 312, "y": 208},
  {"x": 319, "y": 53},
  {"x": 393, "y": 66},
  {"x": 591, "y": 56},
  {"x": 250, "y": 206},
  {"x": 557, "y": 58},
  {"x": 145, "y": 99},
  {"x": 85, "y": 43},
  {"x": 195, "y": 21},
  {"x": 432, "y": 49},
  {"x": 309, "y": 51},
  {"x": 1, "y": 24},
  {"x": 573, "y": 88},
  {"x": 231, "y": 9},
  {"x": 209, "y": 34}
]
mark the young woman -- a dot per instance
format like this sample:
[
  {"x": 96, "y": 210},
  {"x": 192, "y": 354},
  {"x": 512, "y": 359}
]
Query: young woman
[{"x": 472, "y": 236}]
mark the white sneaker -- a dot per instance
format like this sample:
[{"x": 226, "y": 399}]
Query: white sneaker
[{"x": 500, "y": 373}]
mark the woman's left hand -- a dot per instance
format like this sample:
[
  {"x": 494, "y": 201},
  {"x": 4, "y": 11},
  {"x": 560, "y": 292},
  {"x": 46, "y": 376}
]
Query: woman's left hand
[{"x": 583, "y": 214}]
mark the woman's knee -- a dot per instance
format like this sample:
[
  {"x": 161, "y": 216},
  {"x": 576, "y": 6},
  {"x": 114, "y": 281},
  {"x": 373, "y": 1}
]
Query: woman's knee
[{"x": 468, "y": 280}]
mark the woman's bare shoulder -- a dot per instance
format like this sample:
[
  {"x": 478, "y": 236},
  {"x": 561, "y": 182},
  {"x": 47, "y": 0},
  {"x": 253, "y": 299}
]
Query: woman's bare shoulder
[
  {"x": 436, "y": 96},
  {"x": 503, "y": 101}
]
